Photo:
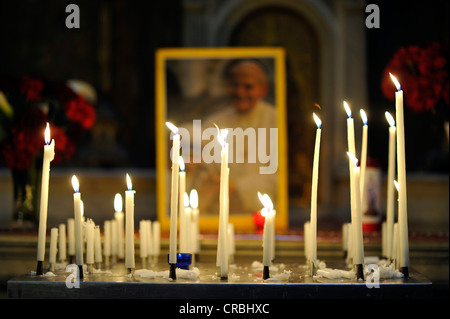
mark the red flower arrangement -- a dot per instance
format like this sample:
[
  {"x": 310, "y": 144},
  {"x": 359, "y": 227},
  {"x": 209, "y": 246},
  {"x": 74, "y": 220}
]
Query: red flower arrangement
[
  {"x": 26, "y": 105},
  {"x": 423, "y": 75}
]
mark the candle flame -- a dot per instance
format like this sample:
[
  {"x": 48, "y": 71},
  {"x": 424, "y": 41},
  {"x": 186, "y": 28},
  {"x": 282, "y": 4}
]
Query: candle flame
[
  {"x": 181, "y": 163},
  {"x": 118, "y": 205},
  {"x": 396, "y": 82},
  {"x": 221, "y": 135},
  {"x": 353, "y": 158},
  {"x": 47, "y": 134},
  {"x": 390, "y": 119},
  {"x": 317, "y": 120},
  {"x": 186, "y": 199},
  {"x": 75, "y": 184},
  {"x": 172, "y": 127},
  {"x": 194, "y": 198},
  {"x": 347, "y": 109},
  {"x": 363, "y": 116},
  {"x": 129, "y": 185},
  {"x": 266, "y": 201}
]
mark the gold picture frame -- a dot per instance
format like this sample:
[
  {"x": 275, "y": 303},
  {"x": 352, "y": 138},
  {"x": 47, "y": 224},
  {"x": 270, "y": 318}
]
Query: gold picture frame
[{"x": 182, "y": 77}]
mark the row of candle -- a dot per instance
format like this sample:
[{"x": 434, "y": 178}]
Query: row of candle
[{"x": 357, "y": 184}]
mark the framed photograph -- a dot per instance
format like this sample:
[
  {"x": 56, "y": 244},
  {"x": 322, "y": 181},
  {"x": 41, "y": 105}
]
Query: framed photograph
[{"x": 242, "y": 90}]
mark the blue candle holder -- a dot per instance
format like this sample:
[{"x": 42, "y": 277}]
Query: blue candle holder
[{"x": 184, "y": 260}]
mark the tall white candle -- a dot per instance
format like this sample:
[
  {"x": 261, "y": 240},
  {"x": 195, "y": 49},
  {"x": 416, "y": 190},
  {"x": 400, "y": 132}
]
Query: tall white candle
[
  {"x": 222, "y": 254},
  {"x": 363, "y": 153},
  {"x": 187, "y": 210},
  {"x": 357, "y": 238},
  {"x": 129, "y": 231},
  {"x": 118, "y": 215},
  {"x": 181, "y": 208},
  {"x": 49, "y": 155},
  {"x": 390, "y": 202},
  {"x": 114, "y": 238},
  {"x": 193, "y": 200},
  {"x": 401, "y": 167},
  {"x": 174, "y": 194},
  {"x": 62, "y": 242},
  {"x": 78, "y": 225},
  {"x": 97, "y": 245},
  {"x": 314, "y": 184},
  {"x": 71, "y": 236},
  {"x": 307, "y": 239},
  {"x": 53, "y": 245},
  {"x": 268, "y": 236},
  {"x": 89, "y": 227}
]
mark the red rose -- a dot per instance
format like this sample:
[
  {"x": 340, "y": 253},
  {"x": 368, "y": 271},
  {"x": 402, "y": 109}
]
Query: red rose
[
  {"x": 31, "y": 88},
  {"x": 81, "y": 112}
]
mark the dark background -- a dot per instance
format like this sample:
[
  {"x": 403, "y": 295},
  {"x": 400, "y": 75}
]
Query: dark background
[{"x": 35, "y": 41}]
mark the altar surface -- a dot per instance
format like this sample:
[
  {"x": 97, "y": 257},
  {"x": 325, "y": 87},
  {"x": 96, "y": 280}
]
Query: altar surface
[{"x": 287, "y": 281}]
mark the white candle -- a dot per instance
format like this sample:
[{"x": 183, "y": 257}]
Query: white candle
[
  {"x": 129, "y": 231},
  {"x": 181, "y": 208},
  {"x": 156, "y": 232},
  {"x": 222, "y": 254},
  {"x": 89, "y": 227},
  {"x": 107, "y": 238},
  {"x": 193, "y": 200},
  {"x": 314, "y": 184},
  {"x": 363, "y": 153},
  {"x": 97, "y": 245},
  {"x": 143, "y": 239},
  {"x": 307, "y": 239},
  {"x": 357, "y": 238},
  {"x": 231, "y": 243},
  {"x": 53, "y": 245},
  {"x": 118, "y": 215},
  {"x": 114, "y": 238},
  {"x": 71, "y": 236},
  {"x": 401, "y": 172},
  {"x": 268, "y": 236},
  {"x": 187, "y": 210},
  {"x": 390, "y": 202},
  {"x": 150, "y": 250},
  {"x": 174, "y": 194},
  {"x": 62, "y": 242},
  {"x": 49, "y": 155},
  {"x": 78, "y": 225}
]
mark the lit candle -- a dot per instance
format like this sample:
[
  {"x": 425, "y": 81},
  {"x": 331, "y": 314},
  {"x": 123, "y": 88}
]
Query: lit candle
[
  {"x": 350, "y": 132},
  {"x": 78, "y": 226},
  {"x": 181, "y": 208},
  {"x": 363, "y": 153},
  {"x": 71, "y": 239},
  {"x": 174, "y": 199},
  {"x": 187, "y": 210},
  {"x": 97, "y": 246},
  {"x": 222, "y": 254},
  {"x": 129, "y": 231},
  {"x": 390, "y": 187},
  {"x": 268, "y": 236},
  {"x": 401, "y": 172},
  {"x": 118, "y": 215},
  {"x": 315, "y": 180},
  {"x": 49, "y": 155},
  {"x": 89, "y": 227},
  {"x": 53, "y": 247},
  {"x": 357, "y": 236},
  {"x": 62, "y": 243},
  {"x": 193, "y": 200}
]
